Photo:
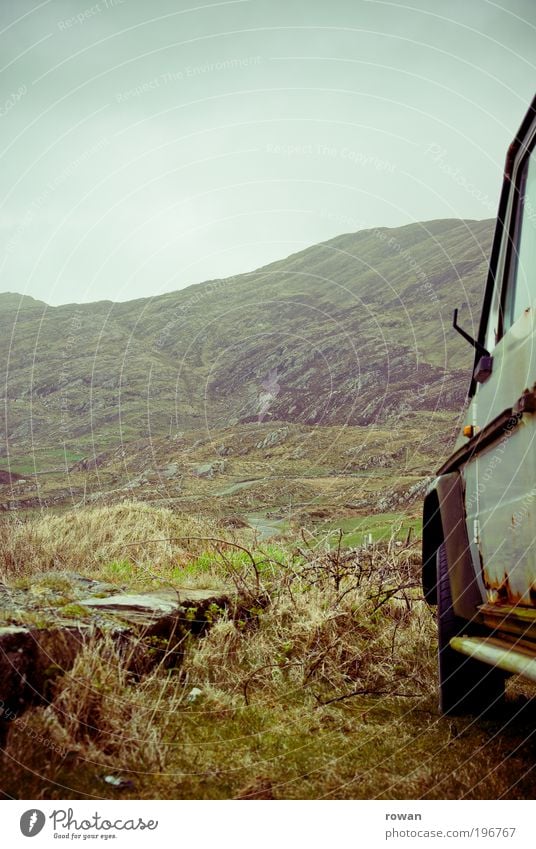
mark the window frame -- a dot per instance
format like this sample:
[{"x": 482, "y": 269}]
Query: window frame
[
  {"x": 509, "y": 277},
  {"x": 495, "y": 276}
]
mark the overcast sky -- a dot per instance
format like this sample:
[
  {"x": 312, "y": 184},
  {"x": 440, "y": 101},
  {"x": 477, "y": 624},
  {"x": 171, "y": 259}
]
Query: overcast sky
[{"x": 148, "y": 146}]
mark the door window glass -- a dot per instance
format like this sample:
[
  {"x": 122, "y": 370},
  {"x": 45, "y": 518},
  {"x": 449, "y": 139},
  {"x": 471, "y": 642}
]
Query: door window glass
[{"x": 521, "y": 291}]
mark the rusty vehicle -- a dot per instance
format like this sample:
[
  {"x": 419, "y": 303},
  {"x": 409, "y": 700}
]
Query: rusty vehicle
[{"x": 479, "y": 522}]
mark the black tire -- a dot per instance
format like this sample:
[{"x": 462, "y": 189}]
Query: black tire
[{"x": 466, "y": 686}]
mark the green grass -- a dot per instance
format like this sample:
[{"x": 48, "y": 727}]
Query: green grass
[
  {"x": 118, "y": 570},
  {"x": 380, "y": 527},
  {"x": 40, "y": 461},
  {"x": 74, "y": 611},
  {"x": 214, "y": 562}
]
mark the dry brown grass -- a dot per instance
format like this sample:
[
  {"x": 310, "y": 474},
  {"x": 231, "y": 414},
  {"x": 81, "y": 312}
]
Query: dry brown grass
[
  {"x": 87, "y": 540},
  {"x": 322, "y": 685},
  {"x": 100, "y": 715}
]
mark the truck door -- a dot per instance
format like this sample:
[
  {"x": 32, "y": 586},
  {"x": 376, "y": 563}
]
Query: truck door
[{"x": 502, "y": 476}]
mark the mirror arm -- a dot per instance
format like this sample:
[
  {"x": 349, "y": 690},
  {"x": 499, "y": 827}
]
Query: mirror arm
[{"x": 476, "y": 345}]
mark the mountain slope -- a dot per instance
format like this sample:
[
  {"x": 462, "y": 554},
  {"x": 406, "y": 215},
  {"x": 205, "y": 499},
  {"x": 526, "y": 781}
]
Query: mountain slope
[{"x": 356, "y": 329}]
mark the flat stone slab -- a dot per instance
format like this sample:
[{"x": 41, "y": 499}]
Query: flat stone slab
[
  {"x": 148, "y": 627},
  {"x": 142, "y": 603},
  {"x": 146, "y": 607},
  {"x": 9, "y": 630},
  {"x": 160, "y": 601}
]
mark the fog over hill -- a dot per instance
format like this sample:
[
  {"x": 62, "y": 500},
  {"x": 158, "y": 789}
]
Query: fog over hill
[{"x": 352, "y": 330}]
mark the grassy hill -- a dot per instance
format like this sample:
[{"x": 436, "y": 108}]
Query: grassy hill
[{"x": 353, "y": 331}]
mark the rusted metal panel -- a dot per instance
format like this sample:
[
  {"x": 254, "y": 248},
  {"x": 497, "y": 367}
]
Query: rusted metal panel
[
  {"x": 510, "y": 619},
  {"x": 497, "y": 653},
  {"x": 501, "y": 479}
]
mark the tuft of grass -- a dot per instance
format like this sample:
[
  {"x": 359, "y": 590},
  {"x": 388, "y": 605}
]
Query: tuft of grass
[
  {"x": 74, "y": 611},
  {"x": 118, "y": 571},
  {"x": 55, "y": 582}
]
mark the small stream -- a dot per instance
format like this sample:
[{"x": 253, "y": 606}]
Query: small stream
[{"x": 266, "y": 528}]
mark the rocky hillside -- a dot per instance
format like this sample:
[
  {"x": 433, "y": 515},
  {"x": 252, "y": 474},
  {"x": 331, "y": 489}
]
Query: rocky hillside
[{"x": 354, "y": 330}]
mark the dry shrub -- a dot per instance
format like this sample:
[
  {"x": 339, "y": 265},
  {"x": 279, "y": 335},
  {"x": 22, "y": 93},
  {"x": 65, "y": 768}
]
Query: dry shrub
[{"x": 367, "y": 631}]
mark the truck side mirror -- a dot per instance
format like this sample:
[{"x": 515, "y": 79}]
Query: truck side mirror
[{"x": 484, "y": 365}]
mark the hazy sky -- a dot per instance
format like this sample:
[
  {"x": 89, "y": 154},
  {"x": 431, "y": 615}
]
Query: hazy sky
[{"x": 147, "y": 146}]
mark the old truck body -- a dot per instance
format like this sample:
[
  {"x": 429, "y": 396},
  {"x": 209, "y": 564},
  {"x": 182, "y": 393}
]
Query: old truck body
[{"x": 479, "y": 538}]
